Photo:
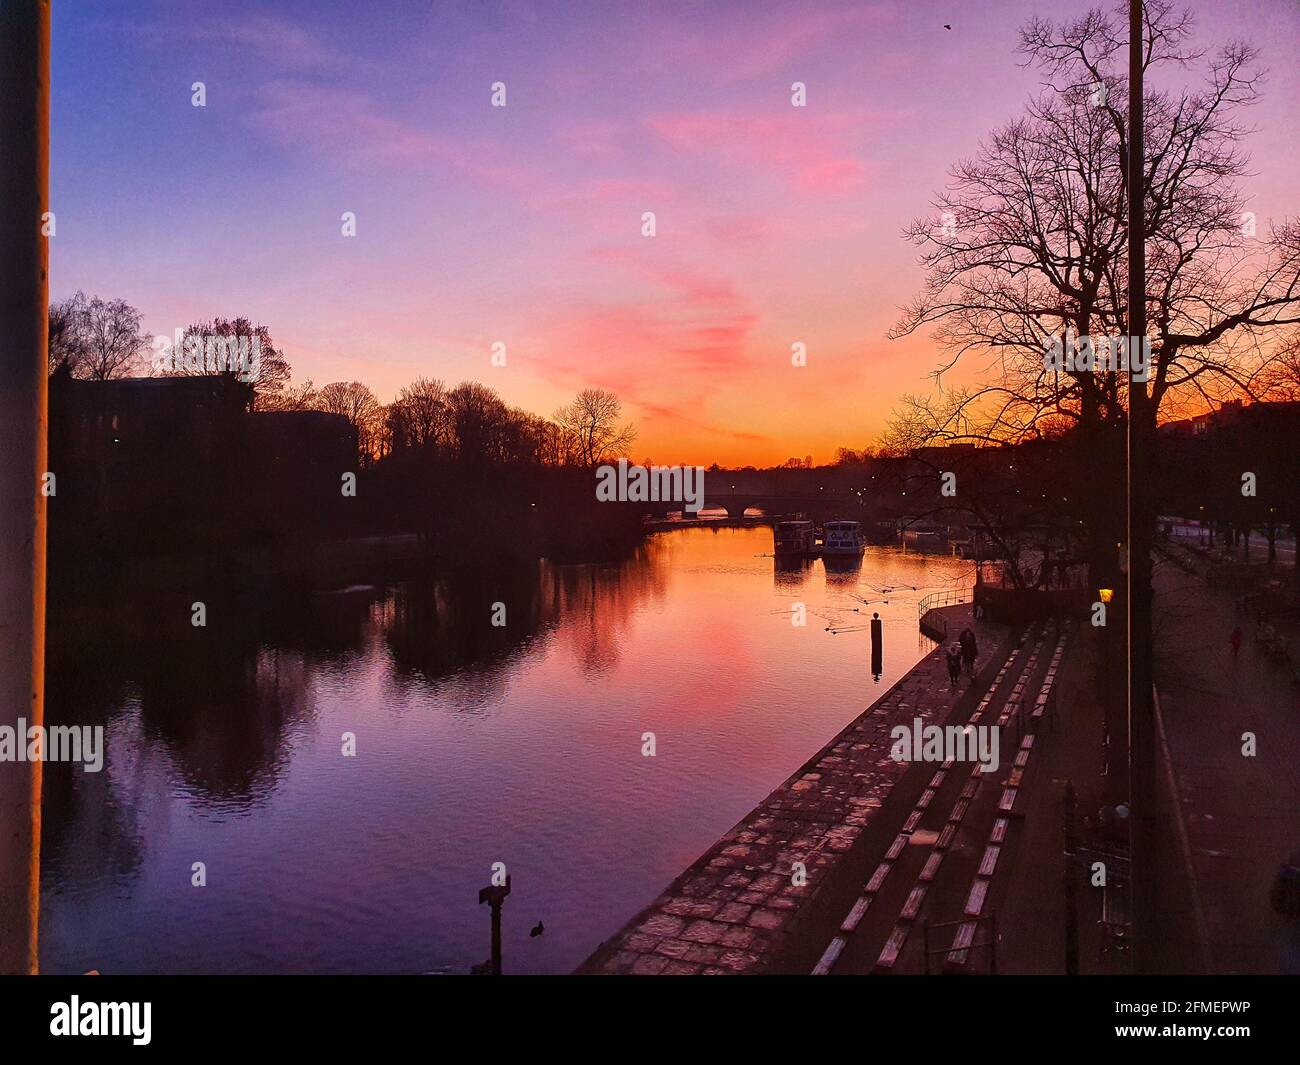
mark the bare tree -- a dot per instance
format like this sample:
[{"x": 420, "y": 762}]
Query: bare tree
[
  {"x": 421, "y": 414},
  {"x": 477, "y": 416},
  {"x": 592, "y": 421},
  {"x": 847, "y": 456},
  {"x": 1280, "y": 380},
  {"x": 1028, "y": 244},
  {"x": 554, "y": 445},
  {"x": 100, "y": 340},
  {"x": 65, "y": 345},
  {"x": 358, "y": 404},
  {"x": 218, "y": 341},
  {"x": 300, "y": 397}
]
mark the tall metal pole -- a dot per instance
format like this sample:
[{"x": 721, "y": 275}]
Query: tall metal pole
[
  {"x": 495, "y": 895},
  {"x": 24, "y": 297},
  {"x": 1070, "y": 877},
  {"x": 1140, "y": 439}
]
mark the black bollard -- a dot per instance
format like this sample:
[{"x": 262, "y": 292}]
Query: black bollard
[
  {"x": 495, "y": 896},
  {"x": 877, "y": 647}
]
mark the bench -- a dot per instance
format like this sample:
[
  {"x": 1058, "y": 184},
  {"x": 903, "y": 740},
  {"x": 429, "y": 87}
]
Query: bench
[
  {"x": 855, "y": 916},
  {"x": 931, "y": 867},
  {"x": 878, "y": 877},
  {"x": 961, "y": 944},
  {"x": 830, "y": 957},
  {"x": 892, "y": 946},
  {"x": 913, "y": 904}
]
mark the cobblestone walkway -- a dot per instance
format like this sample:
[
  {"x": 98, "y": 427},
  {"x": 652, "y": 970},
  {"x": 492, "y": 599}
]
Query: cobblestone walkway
[{"x": 730, "y": 910}]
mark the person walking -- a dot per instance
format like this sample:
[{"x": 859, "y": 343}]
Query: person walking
[
  {"x": 954, "y": 664},
  {"x": 1235, "y": 641},
  {"x": 969, "y": 651}
]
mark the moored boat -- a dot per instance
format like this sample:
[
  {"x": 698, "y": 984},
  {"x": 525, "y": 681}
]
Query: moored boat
[
  {"x": 795, "y": 538},
  {"x": 843, "y": 538}
]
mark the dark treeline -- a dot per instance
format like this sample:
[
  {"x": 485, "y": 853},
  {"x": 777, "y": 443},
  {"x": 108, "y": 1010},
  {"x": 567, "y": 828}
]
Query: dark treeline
[
  {"x": 157, "y": 457},
  {"x": 1236, "y": 469}
]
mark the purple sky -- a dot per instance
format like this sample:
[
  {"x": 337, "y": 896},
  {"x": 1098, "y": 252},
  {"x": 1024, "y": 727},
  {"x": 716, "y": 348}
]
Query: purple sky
[{"x": 522, "y": 224}]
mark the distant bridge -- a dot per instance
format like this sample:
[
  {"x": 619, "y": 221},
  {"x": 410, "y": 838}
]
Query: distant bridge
[
  {"x": 820, "y": 493},
  {"x": 737, "y": 503}
]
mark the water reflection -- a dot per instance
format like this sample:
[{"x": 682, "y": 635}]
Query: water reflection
[
  {"x": 476, "y": 742},
  {"x": 843, "y": 570},
  {"x": 791, "y": 571}
]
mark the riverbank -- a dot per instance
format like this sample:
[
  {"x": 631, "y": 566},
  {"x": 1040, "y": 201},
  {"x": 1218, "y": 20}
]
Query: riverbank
[{"x": 759, "y": 899}]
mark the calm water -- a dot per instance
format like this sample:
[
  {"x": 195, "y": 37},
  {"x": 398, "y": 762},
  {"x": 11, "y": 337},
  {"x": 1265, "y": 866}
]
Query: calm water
[{"x": 475, "y": 745}]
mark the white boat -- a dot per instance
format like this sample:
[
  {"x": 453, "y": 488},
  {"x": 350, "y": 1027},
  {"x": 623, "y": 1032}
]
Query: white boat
[
  {"x": 795, "y": 538},
  {"x": 843, "y": 538}
]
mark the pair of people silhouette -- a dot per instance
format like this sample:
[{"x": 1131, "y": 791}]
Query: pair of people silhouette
[{"x": 962, "y": 654}]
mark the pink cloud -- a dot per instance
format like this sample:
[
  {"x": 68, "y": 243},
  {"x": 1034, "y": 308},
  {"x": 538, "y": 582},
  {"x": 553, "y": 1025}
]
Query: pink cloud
[
  {"x": 741, "y": 229},
  {"x": 674, "y": 416},
  {"x": 557, "y": 192},
  {"x": 594, "y": 138},
  {"x": 812, "y": 152}
]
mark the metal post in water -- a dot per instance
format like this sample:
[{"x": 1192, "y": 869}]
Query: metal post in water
[
  {"x": 495, "y": 896},
  {"x": 877, "y": 647}
]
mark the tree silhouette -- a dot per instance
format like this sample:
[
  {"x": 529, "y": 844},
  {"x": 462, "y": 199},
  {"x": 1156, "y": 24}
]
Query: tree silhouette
[
  {"x": 591, "y": 420},
  {"x": 271, "y": 382},
  {"x": 358, "y": 404},
  {"x": 98, "y": 340},
  {"x": 1028, "y": 243}
]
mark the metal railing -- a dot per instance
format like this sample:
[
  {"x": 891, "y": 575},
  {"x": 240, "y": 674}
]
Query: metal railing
[
  {"x": 949, "y": 598},
  {"x": 937, "y": 599}
]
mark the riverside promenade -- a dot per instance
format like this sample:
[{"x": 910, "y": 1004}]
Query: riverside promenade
[
  {"x": 1240, "y": 810},
  {"x": 742, "y": 906}
]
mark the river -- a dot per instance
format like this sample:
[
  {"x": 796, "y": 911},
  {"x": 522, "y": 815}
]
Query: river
[{"x": 475, "y": 743}]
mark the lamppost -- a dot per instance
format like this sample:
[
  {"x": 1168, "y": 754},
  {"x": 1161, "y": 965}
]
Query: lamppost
[
  {"x": 1138, "y": 601},
  {"x": 495, "y": 895},
  {"x": 24, "y": 372}
]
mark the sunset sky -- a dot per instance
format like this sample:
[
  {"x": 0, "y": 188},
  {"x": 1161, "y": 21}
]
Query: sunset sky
[{"x": 523, "y": 224}]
